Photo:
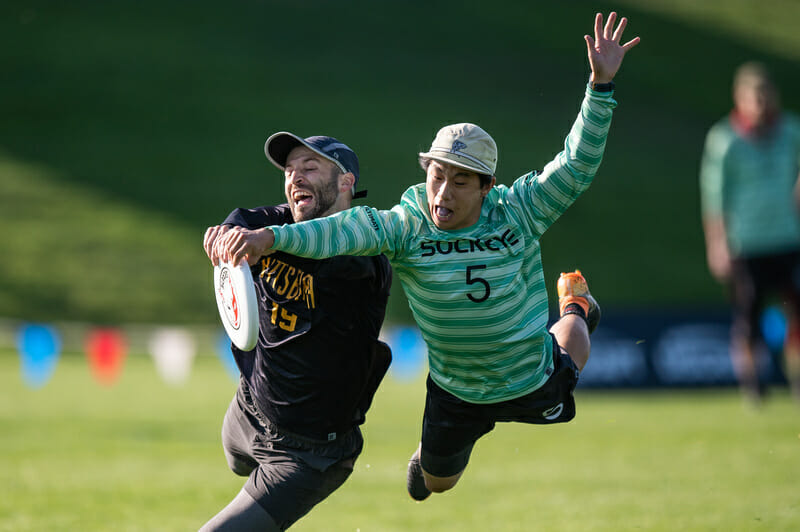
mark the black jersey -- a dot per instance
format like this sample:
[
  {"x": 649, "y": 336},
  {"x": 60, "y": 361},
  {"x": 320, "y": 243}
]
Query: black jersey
[{"x": 318, "y": 360}]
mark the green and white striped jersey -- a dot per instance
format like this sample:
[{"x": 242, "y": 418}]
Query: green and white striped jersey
[
  {"x": 749, "y": 183},
  {"x": 478, "y": 294}
]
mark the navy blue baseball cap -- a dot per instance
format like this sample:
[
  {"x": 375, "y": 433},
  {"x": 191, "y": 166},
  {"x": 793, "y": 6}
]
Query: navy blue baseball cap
[{"x": 279, "y": 145}]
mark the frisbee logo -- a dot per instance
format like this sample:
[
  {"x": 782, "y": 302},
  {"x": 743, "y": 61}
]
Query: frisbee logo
[
  {"x": 228, "y": 295},
  {"x": 235, "y": 293}
]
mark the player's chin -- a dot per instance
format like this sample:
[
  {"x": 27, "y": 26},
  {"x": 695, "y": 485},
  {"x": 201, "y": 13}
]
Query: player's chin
[
  {"x": 302, "y": 213},
  {"x": 443, "y": 222}
]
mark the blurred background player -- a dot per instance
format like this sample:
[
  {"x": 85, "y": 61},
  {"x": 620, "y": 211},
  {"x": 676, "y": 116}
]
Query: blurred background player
[
  {"x": 751, "y": 218},
  {"x": 293, "y": 425},
  {"x": 468, "y": 257}
]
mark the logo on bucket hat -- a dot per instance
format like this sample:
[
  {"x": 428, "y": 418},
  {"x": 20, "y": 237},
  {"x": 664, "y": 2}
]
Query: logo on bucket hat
[
  {"x": 466, "y": 146},
  {"x": 457, "y": 146},
  {"x": 278, "y": 146}
]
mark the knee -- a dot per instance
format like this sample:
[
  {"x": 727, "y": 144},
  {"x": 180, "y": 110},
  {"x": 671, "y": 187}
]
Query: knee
[
  {"x": 441, "y": 484},
  {"x": 455, "y": 462},
  {"x": 440, "y": 488}
]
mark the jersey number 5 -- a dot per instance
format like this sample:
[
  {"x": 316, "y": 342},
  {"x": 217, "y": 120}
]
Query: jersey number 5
[{"x": 472, "y": 279}]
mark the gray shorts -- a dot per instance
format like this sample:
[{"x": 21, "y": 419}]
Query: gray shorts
[{"x": 287, "y": 474}]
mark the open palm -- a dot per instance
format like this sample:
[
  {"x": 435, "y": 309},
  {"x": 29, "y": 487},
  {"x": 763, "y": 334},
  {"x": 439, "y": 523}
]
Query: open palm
[{"x": 605, "y": 50}]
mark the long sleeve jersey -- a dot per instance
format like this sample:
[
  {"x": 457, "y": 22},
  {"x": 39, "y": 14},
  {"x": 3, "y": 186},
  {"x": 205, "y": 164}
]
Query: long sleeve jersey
[
  {"x": 477, "y": 294},
  {"x": 749, "y": 183},
  {"x": 313, "y": 371}
]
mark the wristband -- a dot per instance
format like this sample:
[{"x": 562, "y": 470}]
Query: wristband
[{"x": 602, "y": 87}]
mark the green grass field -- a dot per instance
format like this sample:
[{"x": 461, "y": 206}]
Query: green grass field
[
  {"x": 129, "y": 128},
  {"x": 146, "y": 456}
]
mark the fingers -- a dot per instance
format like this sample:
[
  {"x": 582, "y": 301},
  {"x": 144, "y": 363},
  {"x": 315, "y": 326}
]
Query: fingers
[
  {"x": 609, "y": 28},
  {"x": 208, "y": 241},
  {"x": 598, "y": 27},
  {"x": 237, "y": 251},
  {"x": 604, "y": 50},
  {"x": 630, "y": 44},
  {"x": 217, "y": 243},
  {"x": 237, "y": 244},
  {"x": 607, "y": 32},
  {"x": 230, "y": 246},
  {"x": 211, "y": 241},
  {"x": 217, "y": 250},
  {"x": 618, "y": 32}
]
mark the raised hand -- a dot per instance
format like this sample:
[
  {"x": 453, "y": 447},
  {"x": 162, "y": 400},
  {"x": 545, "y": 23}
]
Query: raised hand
[{"x": 605, "y": 50}]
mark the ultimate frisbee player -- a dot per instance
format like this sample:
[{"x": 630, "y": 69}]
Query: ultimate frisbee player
[
  {"x": 468, "y": 257},
  {"x": 750, "y": 197},
  {"x": 292, "y": 427}
]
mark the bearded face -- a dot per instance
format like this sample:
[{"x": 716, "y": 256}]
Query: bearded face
[
  {"x": 313, "y": 200},
  {"x": 311, "y": 185}
]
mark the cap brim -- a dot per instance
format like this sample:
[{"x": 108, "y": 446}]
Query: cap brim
[
  {"x": 458, "y": 161},
  {"x": 279, "y": 145}
]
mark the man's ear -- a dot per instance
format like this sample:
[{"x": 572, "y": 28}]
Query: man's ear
[
  {"x": 346, "y": 181},
  {"x": 485, "y": 190}
]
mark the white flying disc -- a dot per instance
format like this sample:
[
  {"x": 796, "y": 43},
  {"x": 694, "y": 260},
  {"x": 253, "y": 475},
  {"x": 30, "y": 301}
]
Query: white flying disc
[{"x": 236, "y": 301}]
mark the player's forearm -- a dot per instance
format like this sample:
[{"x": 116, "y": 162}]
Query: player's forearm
[
  {"x": 572, "y": 170},
  {"x": 357, "y": 231},
  {"x": 714, "y": 231},
  {"x": 718, "y": 254},
  {"x": 586, "y": 142}
]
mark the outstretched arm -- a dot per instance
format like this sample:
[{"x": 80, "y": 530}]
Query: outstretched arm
[
  {"x": 605, "y": 51},
  {"x": 357, "y": 231},
  {"x": 571, "y": 172},
  {"x": 239, "y": 244}
]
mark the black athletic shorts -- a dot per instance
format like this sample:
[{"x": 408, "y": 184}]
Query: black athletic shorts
[
  {"x": 287, "y": 474},
  {"x": 451, "y": 426},
  {"x": 754, "y": 280}
]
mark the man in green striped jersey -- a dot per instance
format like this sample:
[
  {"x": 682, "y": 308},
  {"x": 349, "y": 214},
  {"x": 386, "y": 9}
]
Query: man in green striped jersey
[
  {"x": 751, "y": 218},
  {"x": 467, "y": 255}
]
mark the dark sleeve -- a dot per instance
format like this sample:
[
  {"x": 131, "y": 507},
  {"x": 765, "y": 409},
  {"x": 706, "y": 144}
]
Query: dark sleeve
[
  {"x": 260, "y": 217},
  {"x": 354, "y": 268}
]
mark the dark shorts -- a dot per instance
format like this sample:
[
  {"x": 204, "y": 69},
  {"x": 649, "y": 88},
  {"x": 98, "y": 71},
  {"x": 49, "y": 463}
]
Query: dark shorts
[
  {"x": 754, "y": 280},
  {"x": 287, "y": 475},
  {"x": 451, "y": 426}
]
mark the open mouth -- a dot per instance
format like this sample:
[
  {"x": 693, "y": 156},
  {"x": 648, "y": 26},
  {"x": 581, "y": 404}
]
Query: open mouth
[
  {"x": 442, "y": 214},
  {"x": 302, "y": 198}
]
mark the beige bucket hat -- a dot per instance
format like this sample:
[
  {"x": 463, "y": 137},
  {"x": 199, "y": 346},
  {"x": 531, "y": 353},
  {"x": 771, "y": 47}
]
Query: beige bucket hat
[{"x": 466, "y": 146}]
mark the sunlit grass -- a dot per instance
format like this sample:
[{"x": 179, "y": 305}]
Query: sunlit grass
[{"x": 142, "y": 455}]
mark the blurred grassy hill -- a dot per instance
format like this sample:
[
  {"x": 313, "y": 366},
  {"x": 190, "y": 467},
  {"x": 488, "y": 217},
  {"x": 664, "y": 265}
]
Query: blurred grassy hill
[{"x": 128, "y": 128}]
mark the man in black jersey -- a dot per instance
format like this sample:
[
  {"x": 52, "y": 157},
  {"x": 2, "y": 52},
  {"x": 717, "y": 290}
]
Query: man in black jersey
[{"x": 293, "y": 425}]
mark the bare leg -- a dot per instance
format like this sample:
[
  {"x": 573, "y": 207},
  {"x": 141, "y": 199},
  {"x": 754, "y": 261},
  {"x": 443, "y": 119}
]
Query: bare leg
[
  {"x": 572, "y": 334},
  {"x": 744, "y": 362},
  {"x": 242, "y": 514},
  {"x": 791, "y": 355}
]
